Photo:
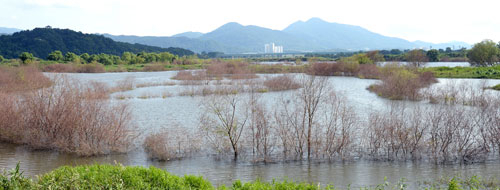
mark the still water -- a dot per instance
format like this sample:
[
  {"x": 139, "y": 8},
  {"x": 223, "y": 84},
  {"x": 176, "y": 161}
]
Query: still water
[{"x": 157, "y": 112}]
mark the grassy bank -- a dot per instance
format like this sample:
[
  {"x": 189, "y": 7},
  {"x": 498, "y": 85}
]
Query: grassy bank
[
  {"x": 466, "y": 72},
  {"x": 128, "y": 177}
]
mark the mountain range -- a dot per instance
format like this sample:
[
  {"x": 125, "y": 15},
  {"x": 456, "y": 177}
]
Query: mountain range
[{"x": 313, "y": 35}]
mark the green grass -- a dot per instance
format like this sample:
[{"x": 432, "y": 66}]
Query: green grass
[
  {"x": 132, "y": 177},
  {"x": 466, "y": 72},
  {"x": 496, "y": 87}
]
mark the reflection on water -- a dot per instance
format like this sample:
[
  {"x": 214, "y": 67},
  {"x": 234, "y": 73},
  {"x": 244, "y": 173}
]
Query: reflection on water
[
  {"x": 153, "y": 113},
  {"x": 359, "y": 173}
]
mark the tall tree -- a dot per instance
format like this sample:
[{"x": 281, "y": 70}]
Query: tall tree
[
  {"x": 484, "y": 53},
  {"x": 433, "y": 55},
  {"x": 416, "y": 58},
  {"x": 55, "y": 56},
  {"x": 26, "y": 57}
]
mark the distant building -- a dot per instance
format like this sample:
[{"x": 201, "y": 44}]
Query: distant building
[{"x": 271, "y": 48}]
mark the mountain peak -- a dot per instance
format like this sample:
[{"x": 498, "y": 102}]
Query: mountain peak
[
  {"x": 316, "y": 20},
  {"x": 231, "y": 25}
]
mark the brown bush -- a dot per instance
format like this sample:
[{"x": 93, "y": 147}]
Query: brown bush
[
  {"x": 68, "y": 116},
  {"x": 172, "y": 143},
  {"x": 399, "y": 83},
  {"x": 235, "y": 70},
  {"x": 191, "y": 75},
  {"x": 334, "y": 69},
  {"x": 154, "y": 67},
  {"x": 280, "y": 83},
  {"x": 324, "y": 69},
  {"x": 60, "y": 68},
  {"x": 21, "y": 79},
  {"x": 368, "y": 71},
  {"x": 91, "y": 68}
]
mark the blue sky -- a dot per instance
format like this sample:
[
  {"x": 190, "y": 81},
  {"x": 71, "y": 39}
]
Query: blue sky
[{"x": 427, "y": 20}]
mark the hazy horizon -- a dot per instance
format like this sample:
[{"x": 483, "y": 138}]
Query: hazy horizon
[{"x": 429, "y": 21}]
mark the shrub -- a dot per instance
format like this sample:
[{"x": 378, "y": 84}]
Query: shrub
[
  {"x": 91, "y": 68},
  {"x": 236, "y": 70},
  {"x": 21, "y": 79},
  {"x": 279, "y": 83},
  {"x": 334, "y": 69},
  {"x": 154, "y": 67},
  {"x": 60, "y": 68},
  {"x": 190, "y": 75},
  {"x": 173, "y": 143},
  {"x": 69, "y": 116},
  {"x": 368, "y": 71},
  {"x": 399, "y": 83}
]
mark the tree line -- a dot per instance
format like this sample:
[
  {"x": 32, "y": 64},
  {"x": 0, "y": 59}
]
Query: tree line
[{"x": 105, "y": 59}]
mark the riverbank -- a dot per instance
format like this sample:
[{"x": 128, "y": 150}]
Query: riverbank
[{"x": 133, "y": 177}]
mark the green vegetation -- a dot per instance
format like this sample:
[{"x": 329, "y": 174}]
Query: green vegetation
[
  {"x": 26, "y": 57},
  {"x": 496, "y": 87},
  {"x": 132, "y": 177},
  {"x": 492, "y": 72},
  {"x": 43, "y": 41},
  {"x": 485, "y": 53}
]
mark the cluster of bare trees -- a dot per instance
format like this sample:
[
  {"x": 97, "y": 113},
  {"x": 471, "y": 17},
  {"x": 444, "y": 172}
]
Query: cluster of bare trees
[
  {"x": 67, "y": 116},
  {"x": 313, "y": 123},
  {"x": 440, "y": 133},
  {"x": 317, "y": 122}
]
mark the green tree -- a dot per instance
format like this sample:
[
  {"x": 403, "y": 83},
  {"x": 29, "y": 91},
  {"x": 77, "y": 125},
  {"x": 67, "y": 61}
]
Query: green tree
[
  {"x": 416, "y": 58},
  {"x": 433, "y": 55},
  {"x": 105, "y": 59},
  {"x": 127, "y": 56},
  {"x": 71, "y": 57},
  {"x": 167, "y": 57},
  {"x": 448, "y": 49},
  {"x": 375, "y": 56},
  {"x": 85, "y": 57},
  {"x": 484, "y": 53},
  {"x": 55, "y": 56},
  {"x": 1, "y": 58},
  {"x": 26, "y": 57}
]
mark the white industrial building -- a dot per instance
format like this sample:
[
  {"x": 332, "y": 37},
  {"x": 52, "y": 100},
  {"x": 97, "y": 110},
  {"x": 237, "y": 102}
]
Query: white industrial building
[{"x": 271, "y": 48}]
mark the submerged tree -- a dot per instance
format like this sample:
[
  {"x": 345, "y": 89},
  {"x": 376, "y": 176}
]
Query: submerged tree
[{"x": 222, "y": 121}]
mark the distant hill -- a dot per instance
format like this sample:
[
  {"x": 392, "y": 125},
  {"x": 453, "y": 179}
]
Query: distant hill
[
  {"x": 309, "y": 36},
  {"x": 343, "y": 36},
  {"x": 42, "y": 41},
  {"x": 244, "y": 39},
  {"x": 193, "y": 44},
  {"x": 189, "y": 34},
  {"x": 454, "y": 44},
  {"x": 4, "y": 30}
]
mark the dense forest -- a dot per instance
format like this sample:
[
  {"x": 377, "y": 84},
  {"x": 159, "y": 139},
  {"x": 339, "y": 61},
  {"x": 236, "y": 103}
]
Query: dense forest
[{"x": 42, "y": 41}]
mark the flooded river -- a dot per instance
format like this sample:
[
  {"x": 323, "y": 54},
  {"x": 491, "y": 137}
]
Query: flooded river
[{"x": 156, "y": 112}]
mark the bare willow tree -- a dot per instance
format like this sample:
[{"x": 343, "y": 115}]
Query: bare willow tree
[
  {"x": 313, "y": 92},
  {"x": 339, "y": 126},
  {"x": 222, "y": 120},
  {"x": 260, "y": 129}
]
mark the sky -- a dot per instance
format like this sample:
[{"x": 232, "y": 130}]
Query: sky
[{"x": 427, "y": 20}]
